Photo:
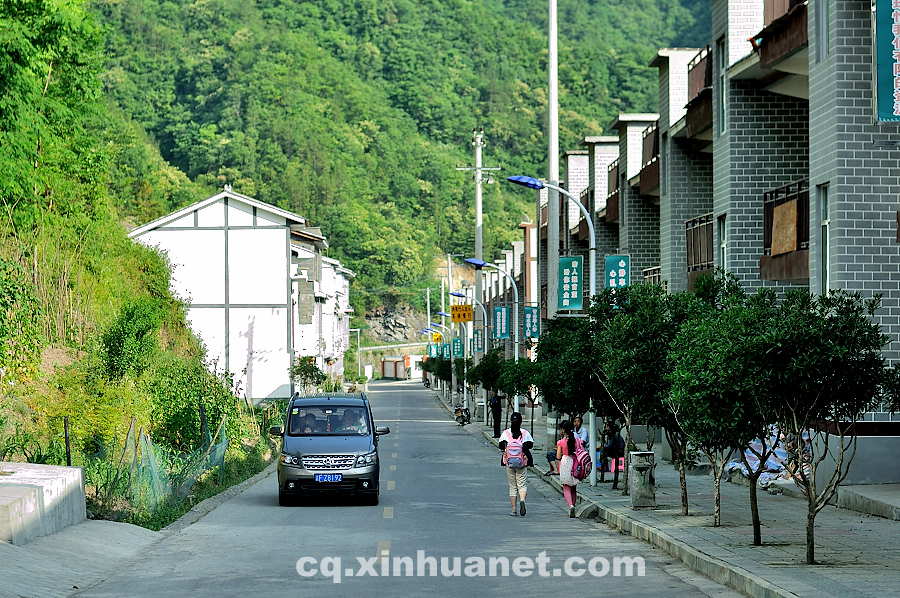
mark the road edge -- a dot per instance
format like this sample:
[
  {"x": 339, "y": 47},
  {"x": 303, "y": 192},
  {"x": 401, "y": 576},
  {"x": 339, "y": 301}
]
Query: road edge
[{"x": 205, "y": 507}]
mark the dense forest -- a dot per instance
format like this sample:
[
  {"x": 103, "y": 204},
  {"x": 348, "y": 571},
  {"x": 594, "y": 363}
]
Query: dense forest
[{"x": 354, "y": 113}]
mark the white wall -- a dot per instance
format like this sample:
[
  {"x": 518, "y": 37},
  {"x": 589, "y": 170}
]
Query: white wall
[{"x": 246, "y": 329}]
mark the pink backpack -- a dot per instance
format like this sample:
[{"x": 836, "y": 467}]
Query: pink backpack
[
  {"x": 581, "y": 461},
  {"x": 515, "y": 452}
]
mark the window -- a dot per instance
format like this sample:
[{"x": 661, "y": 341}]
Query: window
[
  {"x": 823, "y": 31},
  {"x": 824, "y": 222},
  {"x": 328, "y": 420},
  {"x": 723, "y": 242},
  {"x": 722, "y": 65}
]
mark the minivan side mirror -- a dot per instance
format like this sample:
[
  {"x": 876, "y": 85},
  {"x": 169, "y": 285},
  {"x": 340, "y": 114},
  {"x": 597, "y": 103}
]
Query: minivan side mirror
[
  {"x": 276, "y": 431},
  {"x": 382, "y": 430}
]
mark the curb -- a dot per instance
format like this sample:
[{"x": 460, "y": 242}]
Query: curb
[
  {"x": 727, "y": 574},
  {"x": 204, "y": 507}
]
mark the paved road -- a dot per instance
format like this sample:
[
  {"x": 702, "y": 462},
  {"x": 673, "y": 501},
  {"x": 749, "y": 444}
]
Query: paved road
[{"x": 442, "y": 492}]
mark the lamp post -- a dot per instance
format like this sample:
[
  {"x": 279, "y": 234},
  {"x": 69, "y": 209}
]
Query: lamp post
[
  {"x": 484, "y": 324},
  {"x": 479, "y": 264},
  {"x": 533, "y": 183},
  {"x": 449, "y": 334}
]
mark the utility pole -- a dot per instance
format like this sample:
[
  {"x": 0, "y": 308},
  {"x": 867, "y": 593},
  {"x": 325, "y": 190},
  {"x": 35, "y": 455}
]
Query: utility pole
[
  {"x": 479, "y": 169},
  {"x": 428, "y": 306},
  {"x": 552, "y": 165},
  {"x": 452, "y": 357}
]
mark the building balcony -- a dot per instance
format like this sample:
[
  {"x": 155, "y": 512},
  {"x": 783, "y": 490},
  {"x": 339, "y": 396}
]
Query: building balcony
[
  {"x": 611, "y": 213},
  {"x": 784, "y": 35},
  {"x": 786, "y": 233},
  {"x": 699, "y": 115},
  {"x": 653, "y": 275},
  {"x": 700, "y": 250},
  {"x": 649, "y": 184}
]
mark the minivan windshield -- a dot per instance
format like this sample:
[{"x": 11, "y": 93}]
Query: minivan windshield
[{"x": 328, "y": 420}]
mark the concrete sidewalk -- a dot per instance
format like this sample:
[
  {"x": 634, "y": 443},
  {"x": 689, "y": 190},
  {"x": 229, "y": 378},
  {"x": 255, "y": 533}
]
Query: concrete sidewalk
[{"x": 860, "y": 553}]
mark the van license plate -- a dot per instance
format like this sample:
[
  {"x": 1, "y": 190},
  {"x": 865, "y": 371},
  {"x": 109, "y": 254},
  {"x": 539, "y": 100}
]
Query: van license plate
[{"x": 328, "y": 477}]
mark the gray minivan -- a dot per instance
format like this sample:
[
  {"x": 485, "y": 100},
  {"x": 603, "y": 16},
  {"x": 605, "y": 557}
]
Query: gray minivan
[{"x": 330, "y": 446}]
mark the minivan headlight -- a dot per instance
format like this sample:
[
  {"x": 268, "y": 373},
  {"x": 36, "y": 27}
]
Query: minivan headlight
[
  {"x": 366, "y": 460},
  {"x": 289, "y": 459}
]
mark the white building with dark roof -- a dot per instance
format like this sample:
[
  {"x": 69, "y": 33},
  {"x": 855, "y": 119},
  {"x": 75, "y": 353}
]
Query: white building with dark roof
[{"x": 233, "y": 261}]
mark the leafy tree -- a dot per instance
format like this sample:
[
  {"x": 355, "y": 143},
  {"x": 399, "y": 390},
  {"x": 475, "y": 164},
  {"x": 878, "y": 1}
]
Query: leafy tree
[
  {"x": 831, "y": 370},
  {"x": 565, "y": 367},
  {"x": 629, "y": 326},
  {"x": 487, "y": 373},
  {"x": 307, "y": 374},
  {"x": 721, "y": 391}
]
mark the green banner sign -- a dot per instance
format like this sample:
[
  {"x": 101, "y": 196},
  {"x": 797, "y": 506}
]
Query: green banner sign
[
  {"x": 478, "y": 341},
  {"x": 532, "y": 322},
  {"x": 571, "y": 281},
  {"x": 445, "y": 350},
  {"x": 886, "y": 78},
  {"x": 617, "y": 270},
  {"x": 501, "y": 322},
  {"x": 432, "y": 350},
  {"x": 457, "y": 348}
]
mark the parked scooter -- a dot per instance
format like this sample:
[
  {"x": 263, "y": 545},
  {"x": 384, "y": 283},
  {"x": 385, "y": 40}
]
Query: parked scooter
[{"x": 427, "y": 383}]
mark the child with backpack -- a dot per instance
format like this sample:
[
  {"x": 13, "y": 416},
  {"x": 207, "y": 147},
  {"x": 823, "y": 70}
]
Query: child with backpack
[
  {"x": 516, "y": 445},
  {"x": 574, "y": 463}
]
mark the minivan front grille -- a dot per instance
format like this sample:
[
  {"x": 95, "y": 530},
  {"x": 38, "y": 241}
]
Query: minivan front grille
[{"x": 328, "y": 462}]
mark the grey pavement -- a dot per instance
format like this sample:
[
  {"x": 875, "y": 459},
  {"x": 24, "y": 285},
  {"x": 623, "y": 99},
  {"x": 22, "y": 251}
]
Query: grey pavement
[
  {"x": 859, "y": 554},
  {"x": 443, "y": 492}
]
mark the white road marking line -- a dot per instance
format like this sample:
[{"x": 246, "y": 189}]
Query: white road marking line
[
  {"x": 392, "y": 468},
  {"x": 391, "y": 485},
  {"x": 394, "y": 455},
  {"x": 383, "y": 549},
  {"x": 389, "y": 512}
]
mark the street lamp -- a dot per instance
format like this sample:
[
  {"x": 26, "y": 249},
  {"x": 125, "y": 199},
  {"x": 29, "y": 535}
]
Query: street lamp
[
  {"x": 479, "y": 264},
  {"x": 484, "y": 320},
  {"x": 533, "y": 183}
]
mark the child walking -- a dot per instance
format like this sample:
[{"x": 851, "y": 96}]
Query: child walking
[
  {"x": 565, "y": 451},
  {"x": 516, "y": 445}
]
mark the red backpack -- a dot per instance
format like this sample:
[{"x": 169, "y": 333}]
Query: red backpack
[{"x": 581, "y": 461}]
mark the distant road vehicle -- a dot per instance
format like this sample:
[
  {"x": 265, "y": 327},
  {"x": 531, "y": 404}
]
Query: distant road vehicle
[{"x": 330, "y": 447}]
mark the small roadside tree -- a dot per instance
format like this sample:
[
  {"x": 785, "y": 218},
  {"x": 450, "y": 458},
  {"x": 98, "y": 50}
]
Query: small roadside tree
[
  {"x": 721, "y": 384},
  {"x": 831, "y": 371},
  {"x": 487, "y": 372},
  {"x": 631, "y": 327},
  {"x": 565, "y": 365},
  {"x": 307, "y": 374}
]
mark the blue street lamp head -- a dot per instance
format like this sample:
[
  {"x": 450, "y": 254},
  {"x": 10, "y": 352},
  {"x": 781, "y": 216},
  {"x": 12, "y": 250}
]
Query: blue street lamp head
[
  {"x": 457, "y": 294},
  {"x": 526, "y": 181},
  {"x": 434, "y": 327},
  {"x": 479, "y": 264},
  {"x": 445, "y": 314}
]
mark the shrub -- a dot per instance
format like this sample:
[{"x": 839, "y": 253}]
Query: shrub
[
  {"x": 131, "y": 341},
  {"x": 182, "y": 390}
]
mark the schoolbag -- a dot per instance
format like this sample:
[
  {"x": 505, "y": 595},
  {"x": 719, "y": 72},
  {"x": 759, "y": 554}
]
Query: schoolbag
[
  {"x": 581, "y": 462},
  {"x": 515, "y": 452}
]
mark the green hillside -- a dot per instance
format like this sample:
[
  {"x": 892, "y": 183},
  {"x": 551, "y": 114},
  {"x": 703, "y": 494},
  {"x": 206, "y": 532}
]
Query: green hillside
[{"x": 355, "y": 112}]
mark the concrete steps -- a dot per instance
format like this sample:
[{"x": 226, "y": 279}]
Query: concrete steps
[{"x": 39, "y": 500}]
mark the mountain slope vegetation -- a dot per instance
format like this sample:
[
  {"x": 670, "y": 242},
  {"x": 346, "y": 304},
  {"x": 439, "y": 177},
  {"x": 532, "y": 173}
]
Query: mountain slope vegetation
[{"x": 354, "y": 113}]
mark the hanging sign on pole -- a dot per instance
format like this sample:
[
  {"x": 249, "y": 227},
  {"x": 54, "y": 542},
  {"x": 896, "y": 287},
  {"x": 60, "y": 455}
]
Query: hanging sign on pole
[{"x": 571, "y": 279}]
